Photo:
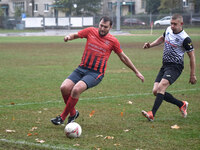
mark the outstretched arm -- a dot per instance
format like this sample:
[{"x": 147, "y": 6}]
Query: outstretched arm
[
  {"x": 71, "y": 37},
  {"x": 193, "y": 78},
  {"x": 129, "y": 64},
  {"x": 157, "y": 42}
]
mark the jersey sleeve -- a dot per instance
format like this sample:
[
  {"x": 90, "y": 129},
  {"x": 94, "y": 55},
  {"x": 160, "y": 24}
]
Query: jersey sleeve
[
  {"x": 84, "y": 33},
  {"x": 117, "y": 48},
  {"x": 187, "y": 44}
]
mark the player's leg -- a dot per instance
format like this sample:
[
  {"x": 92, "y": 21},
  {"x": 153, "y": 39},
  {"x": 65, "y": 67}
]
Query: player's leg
[
  {"x": 155, "y": 88},
  {"x": 162, "y": 86},
  {"x": 175, "y": 71},
  {"x": 171, "y": 99},
  {"x": 159, "y": 88},
  {"x": 79, "y": 88},
  {"x": 149, "y": 114},
  {"x": 66, "y": 88},
  {"x": 90, "y": 80},
  {"x": 183, "y": 105}
]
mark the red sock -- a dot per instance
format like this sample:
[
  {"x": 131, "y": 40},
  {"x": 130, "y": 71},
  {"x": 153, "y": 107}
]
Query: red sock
[
  {"x": 73, "y": 111},
  {"x": 65, "y": 97},
  {"x": 71, "y": 102}
]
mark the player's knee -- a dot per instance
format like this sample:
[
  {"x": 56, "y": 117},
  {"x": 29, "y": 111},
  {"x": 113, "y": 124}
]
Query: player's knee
[
  {"x": 64, "y": 89},
  {"x": 154, "y": 92},
  {"x": 75, "y": 92},
  {"x": 161, "y": 88}
]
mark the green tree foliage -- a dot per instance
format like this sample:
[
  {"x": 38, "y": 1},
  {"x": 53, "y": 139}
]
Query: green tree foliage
[
  {"x": 171, "y": 6},
  {"x": 152, "y": 6},
  {"x": 18, "y": 12},
  {"x": 87, "y": 7}
]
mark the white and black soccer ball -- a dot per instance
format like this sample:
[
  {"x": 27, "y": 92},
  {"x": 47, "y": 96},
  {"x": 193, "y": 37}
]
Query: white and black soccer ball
[{"x": 73, "y": 130}]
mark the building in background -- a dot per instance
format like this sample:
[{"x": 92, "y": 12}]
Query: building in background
[
  {"x": 31, "y": 8},
  {"x": 48, "y": 8},
  {"x": 127, "y": 7}
]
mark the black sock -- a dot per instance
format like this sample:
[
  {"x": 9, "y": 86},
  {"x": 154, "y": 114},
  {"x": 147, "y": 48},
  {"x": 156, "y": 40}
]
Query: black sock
[
  {"x": 157, "y": 103},
  {"x": 169, "y": 98}
]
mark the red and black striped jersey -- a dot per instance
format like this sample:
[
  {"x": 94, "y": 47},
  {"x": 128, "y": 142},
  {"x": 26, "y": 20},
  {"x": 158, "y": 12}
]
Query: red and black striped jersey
[{"x": 97, "y": 49}]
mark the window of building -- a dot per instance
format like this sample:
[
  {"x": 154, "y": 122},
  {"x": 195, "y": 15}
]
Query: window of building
[
  {"x": 185, "y": 3},
  {"x": 143, "y": 4},
  {"x": 17, "y": 5},
  {"x": 35, "y": 7},
  {"x": 46, "y": 7},
  {"x": 110, "y": 6}
]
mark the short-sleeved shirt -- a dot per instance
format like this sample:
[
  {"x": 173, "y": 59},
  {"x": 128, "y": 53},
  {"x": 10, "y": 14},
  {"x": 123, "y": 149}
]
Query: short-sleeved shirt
[
  {"x": 175, "y": 46},
  {"x": 97, "y": 49}
]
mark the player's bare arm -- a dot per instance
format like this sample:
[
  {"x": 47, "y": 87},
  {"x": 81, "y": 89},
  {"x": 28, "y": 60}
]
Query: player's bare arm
[
  {"x": 157, "y": 42},
  {"x": 129, "y": 64},
  {"x": 193, "y": 78},
  {"x": 71, "y": 37}
]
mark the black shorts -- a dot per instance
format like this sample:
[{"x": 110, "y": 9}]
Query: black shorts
[
  {"x": 170, "y": 72},
  {"x": 90, "y": 77}
]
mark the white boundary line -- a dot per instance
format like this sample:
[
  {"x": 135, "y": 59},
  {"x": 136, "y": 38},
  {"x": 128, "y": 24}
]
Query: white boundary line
[
  {"x": 35, "y": 144},
  {"x": 97, "y": 98}
]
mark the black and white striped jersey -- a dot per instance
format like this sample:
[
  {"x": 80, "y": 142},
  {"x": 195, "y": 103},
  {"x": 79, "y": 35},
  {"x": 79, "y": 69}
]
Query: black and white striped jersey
[{"x": 175, "y": 46}]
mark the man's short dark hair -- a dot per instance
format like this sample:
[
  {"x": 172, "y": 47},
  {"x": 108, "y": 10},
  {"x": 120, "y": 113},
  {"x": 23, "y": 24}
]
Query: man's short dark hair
[
  {"x": 177, "y": 16},
  {"x": 105, "y": 19}
]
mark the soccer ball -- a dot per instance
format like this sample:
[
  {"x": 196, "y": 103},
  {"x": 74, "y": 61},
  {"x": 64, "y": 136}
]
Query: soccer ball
[{"x": 73, "y": 130}]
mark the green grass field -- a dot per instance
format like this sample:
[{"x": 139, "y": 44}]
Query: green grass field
[{"x": 33, "y": 68}]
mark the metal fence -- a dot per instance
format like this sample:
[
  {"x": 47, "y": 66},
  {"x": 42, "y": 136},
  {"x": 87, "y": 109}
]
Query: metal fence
[{"x": 142, "y": 21}]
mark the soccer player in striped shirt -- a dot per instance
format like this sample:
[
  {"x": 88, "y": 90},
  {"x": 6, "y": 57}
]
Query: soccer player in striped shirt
[
  {"x": 100, "y": 43},
  {"x": 176, "y": 43}
]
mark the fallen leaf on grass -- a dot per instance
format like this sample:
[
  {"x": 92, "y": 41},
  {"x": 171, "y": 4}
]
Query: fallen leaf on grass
[
  {"x": 175, "y": 127},
  {"x": 29, "y": 134},
  {"x": 127, "y": 130},
  {"x": 109, "y": 137},
  {"x": 91, "y": 114},
  {"x": 33, "y": 128},
  {"x": 117, "y": 144},
  {"x": 10, "y": 131},
  {"x": 76, "y": 145},
  {"x": 12, "y": 103},
  {"x": 130, "y": 102},
  {"x": 121, "y": 114},
  {"x": 39, "y": 141},
  {"x": 99, "y": 136}
]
